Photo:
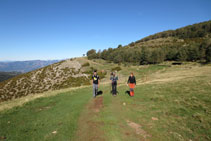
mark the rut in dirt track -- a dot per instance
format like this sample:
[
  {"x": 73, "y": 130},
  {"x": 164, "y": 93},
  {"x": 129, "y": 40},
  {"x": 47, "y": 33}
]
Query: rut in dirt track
[{"x": 89, "y": 127}]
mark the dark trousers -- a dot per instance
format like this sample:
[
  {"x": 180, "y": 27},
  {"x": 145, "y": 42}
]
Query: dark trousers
[{"x": 114, "y": 89}]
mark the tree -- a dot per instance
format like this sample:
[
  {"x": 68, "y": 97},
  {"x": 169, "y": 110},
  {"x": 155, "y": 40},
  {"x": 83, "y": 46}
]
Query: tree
[
  {"x": 157, "y": 56},
  {"x": 118, "y": 59},
  {"x": 98, "y": 55},
  {"x": 193, "y": 52},
  {"x": 153, "y": 57},
  {"x": 181, "y": 55},
  {"x": 119, "y": 46},
  {"x": 145, "y": 56},
  {"x": 132, "y": 44},
  {"x": 208, "y": 53},
  {"x": 104, "y": 54},
  {"x": 91, "y": 54},
  {"x": 171, "y": 53}
]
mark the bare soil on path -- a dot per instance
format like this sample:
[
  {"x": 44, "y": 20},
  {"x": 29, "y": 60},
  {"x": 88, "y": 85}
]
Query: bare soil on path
[{"x": 89, "y": 128}]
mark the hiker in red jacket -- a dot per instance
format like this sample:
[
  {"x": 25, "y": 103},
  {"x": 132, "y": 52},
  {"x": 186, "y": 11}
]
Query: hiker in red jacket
[{"x": 132, "y": 83}]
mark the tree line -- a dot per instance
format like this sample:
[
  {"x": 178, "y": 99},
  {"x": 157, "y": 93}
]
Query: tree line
[
  {"x": 150, "y": 55},
  {"x": 190, "y": 31},
  {"x": 197, "y": 47}
]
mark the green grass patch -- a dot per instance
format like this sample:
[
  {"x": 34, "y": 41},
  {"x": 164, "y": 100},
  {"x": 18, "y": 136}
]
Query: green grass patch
[
  {"x": 182, "y": 109},
  {"x": 37, "y": 120}
]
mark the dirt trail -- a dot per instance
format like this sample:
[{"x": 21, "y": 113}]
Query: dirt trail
[
  {"x": 138, "y": 129},
  {"x": 89, "y": 128}
]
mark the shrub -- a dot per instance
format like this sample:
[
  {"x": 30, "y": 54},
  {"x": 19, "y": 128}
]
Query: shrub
[
  {"x": 208, "y": 54},
  {"x": 91, "y": 54},
  {"x": 86, "y": 64},
  {"x": 116, "y": 69},
  {"x": 102, "y": 74}
]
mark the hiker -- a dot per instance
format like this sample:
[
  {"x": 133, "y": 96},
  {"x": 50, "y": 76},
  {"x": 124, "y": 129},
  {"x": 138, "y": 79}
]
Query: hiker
[
  {"x": 114, "y": 79},
  {"x": 95, "y": 83},
  {"x": 132, "y": 82}
]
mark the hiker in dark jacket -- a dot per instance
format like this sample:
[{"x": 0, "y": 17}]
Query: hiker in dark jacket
[
  {"x": 132, "y": 83},
  {"x": 114, "y": 79},
  {"x": 96, "y": 83}
]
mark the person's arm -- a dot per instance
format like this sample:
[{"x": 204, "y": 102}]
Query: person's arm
[
  {"x": 128, "y": 80},
  {"x": 98, "y": 81},
  {"x": 91, "y": 81}
]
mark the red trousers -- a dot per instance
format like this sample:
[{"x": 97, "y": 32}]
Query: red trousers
[{"x": 132, "y": 86}]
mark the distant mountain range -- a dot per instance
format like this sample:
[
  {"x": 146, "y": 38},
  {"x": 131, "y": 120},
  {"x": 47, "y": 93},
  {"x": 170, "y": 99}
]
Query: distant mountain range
[
  {"x": 24, "y": 66},
  {"x": 8, "y": 75}
]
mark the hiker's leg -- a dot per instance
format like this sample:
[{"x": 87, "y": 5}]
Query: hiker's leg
[
  {"x": 131, "y": 90},
  {"x": 115, "y": 89},
  {"x": 94, "y": 90},
  {"x": 112, "y": 88}
]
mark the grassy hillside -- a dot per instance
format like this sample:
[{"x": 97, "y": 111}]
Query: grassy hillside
[
  {"x": 170, "y": 103},
  {"x": 202, "y": 29},
  {"x": 64, "y": 74},
  {"x": 38, "y": 119},
  {"x": 191, "y": 43}
]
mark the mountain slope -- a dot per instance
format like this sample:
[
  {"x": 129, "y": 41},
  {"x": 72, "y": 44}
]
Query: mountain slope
[
  {"x": 24, "y": 66},
  {"x": 191, "y": 31},
  {"x": 67, "y": 73},
  {"x": 190, "y": 43}
]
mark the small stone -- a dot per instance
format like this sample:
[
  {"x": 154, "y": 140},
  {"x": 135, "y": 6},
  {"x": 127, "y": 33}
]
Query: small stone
[
  {"x": 154, "y": 118},
  {"x": 54, "y": 132}
]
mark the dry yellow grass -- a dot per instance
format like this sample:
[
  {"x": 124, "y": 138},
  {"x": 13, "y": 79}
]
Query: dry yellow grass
[{"x": 176, "y": 73}]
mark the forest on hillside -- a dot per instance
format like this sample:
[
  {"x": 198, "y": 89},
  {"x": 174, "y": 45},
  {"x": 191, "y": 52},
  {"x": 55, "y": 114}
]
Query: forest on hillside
[{"x": 190, "y": 43}]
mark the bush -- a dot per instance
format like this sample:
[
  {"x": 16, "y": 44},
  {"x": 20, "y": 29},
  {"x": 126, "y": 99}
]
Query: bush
[
  {"x": 182, "y": 55},
  {"x": 193, "y": 53},
  {"x": 91, "y": 54},
  {"x": 86, "y": 64},
  {"x": 116, "y": 69},
  {"x": 102, "y": 74},
  {"x": 208, "y": 54}
]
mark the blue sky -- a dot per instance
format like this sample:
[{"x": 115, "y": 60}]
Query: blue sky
[{"x": 58, "y": 29}]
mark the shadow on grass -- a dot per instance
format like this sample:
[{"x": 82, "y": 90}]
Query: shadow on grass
[
  {"x": 127, "y": 92},
  {"x": 99, "y": 93}
]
